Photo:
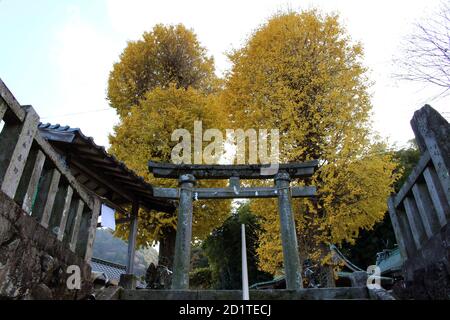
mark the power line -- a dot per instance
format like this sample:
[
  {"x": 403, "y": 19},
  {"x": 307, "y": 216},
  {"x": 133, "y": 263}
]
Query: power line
[{"x": 77, "y": 113}]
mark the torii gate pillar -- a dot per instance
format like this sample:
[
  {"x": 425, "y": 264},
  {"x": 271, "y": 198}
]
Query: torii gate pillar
[
  {"x": 181, "y": 265},
  {"x": 292, "y": 269}
]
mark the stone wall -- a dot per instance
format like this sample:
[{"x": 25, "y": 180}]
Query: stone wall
[
  {"x": 33, "y": 263},
  {"x": 427, "y": 274}
]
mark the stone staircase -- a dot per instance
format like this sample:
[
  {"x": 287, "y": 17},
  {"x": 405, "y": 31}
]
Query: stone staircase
[{"x": 353, "y": 293}]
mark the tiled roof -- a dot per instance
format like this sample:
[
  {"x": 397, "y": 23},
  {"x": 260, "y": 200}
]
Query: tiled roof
[
  {"x": 390, "y": 261},
  {"x": 110, "y": 269},
  {"x": 81, "y": 151}
]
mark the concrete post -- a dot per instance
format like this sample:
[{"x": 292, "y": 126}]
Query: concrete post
[
  {"x": 426, "y": 210},
  {"x": 34, "y": 181},
  {"x": 92, "y": 229},
  {"x": 437, "y": 195},
  {"x": 402, "y": 243},
  {"x": 65, "y": 213},
  {"x": 292, "y": 268},
  {"x": 132, "y": 237},
  {"x": 182, "y": 259},
  {"x": 61, "y": 206},
  {"x": 3, "y": 108},
  {"x": 76, "y": 225},
  {"x": 19, "y": 156},
  {"x": 406, "y": 231},
  {"x": 54, "y": 177},
  {"x": 432, "y": 132},
  {"x": 415, "y": 223}
]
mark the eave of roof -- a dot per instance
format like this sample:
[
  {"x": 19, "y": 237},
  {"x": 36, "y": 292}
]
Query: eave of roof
[
  {"x": 95, "y": 156},
  {"x": 112, "y": 270}
]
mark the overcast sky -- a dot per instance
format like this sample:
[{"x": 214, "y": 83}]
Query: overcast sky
[{"x": 56, "y": 54}]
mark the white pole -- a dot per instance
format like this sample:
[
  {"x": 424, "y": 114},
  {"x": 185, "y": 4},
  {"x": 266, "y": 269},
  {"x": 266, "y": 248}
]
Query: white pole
[{"x": 245, "y": 292}]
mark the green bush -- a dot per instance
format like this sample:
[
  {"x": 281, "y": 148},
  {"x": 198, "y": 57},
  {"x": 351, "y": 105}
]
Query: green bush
[{"x": 200, "y": 278}]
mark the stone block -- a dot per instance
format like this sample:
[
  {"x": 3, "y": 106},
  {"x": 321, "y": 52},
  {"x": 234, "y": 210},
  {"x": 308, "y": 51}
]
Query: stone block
[
  {"x": 128, "y": 281},
  {"x": 39, "y": 236},
  {"x": 219, "y": 295},
  {"x": 6, "y": 232},
  {"x": 359, "y": 279},
  {"x": 26, "y": 226},
  {"x": 110, "y": 293},
  {"x": 41, "y": 292},
  {"x": 8, "y": 208}
]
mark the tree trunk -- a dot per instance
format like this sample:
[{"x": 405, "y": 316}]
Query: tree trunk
[
  {"x": 331, "y": 282},
  {"x": 167, "y": 248},
  {"x": 327, "y": 269}
]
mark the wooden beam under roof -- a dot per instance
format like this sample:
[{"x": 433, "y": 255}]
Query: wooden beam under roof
[
  {"x": 91, "y": 157},
  {"x": 128, "y": 182},
  {"x": 149, "y": 204},
  {"x": 102, "y": 181}
]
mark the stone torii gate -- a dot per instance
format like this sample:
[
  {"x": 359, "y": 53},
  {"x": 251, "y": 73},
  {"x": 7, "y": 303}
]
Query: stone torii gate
[{"x": 187, "y": 176}]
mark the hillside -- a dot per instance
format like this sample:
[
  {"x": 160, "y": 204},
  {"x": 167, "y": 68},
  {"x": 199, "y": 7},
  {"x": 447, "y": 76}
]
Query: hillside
[{"x": 107, "y": 247}]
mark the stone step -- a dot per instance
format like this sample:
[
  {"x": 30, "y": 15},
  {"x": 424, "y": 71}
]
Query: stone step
[{"x": 304, "y": 294}]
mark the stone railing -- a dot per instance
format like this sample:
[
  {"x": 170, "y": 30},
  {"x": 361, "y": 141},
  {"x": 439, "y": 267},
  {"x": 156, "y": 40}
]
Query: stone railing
[
  {"x": 38, "y": 180},
  {"x": 422, "y": 206}
]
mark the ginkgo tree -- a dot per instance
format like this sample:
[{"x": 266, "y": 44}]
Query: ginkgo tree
[
  {"x": 169, "y": 54},
  {"x": 163, "y": 82},
  {"x": 146, "y": 134},
  {"x": 302, "y": 74}
]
